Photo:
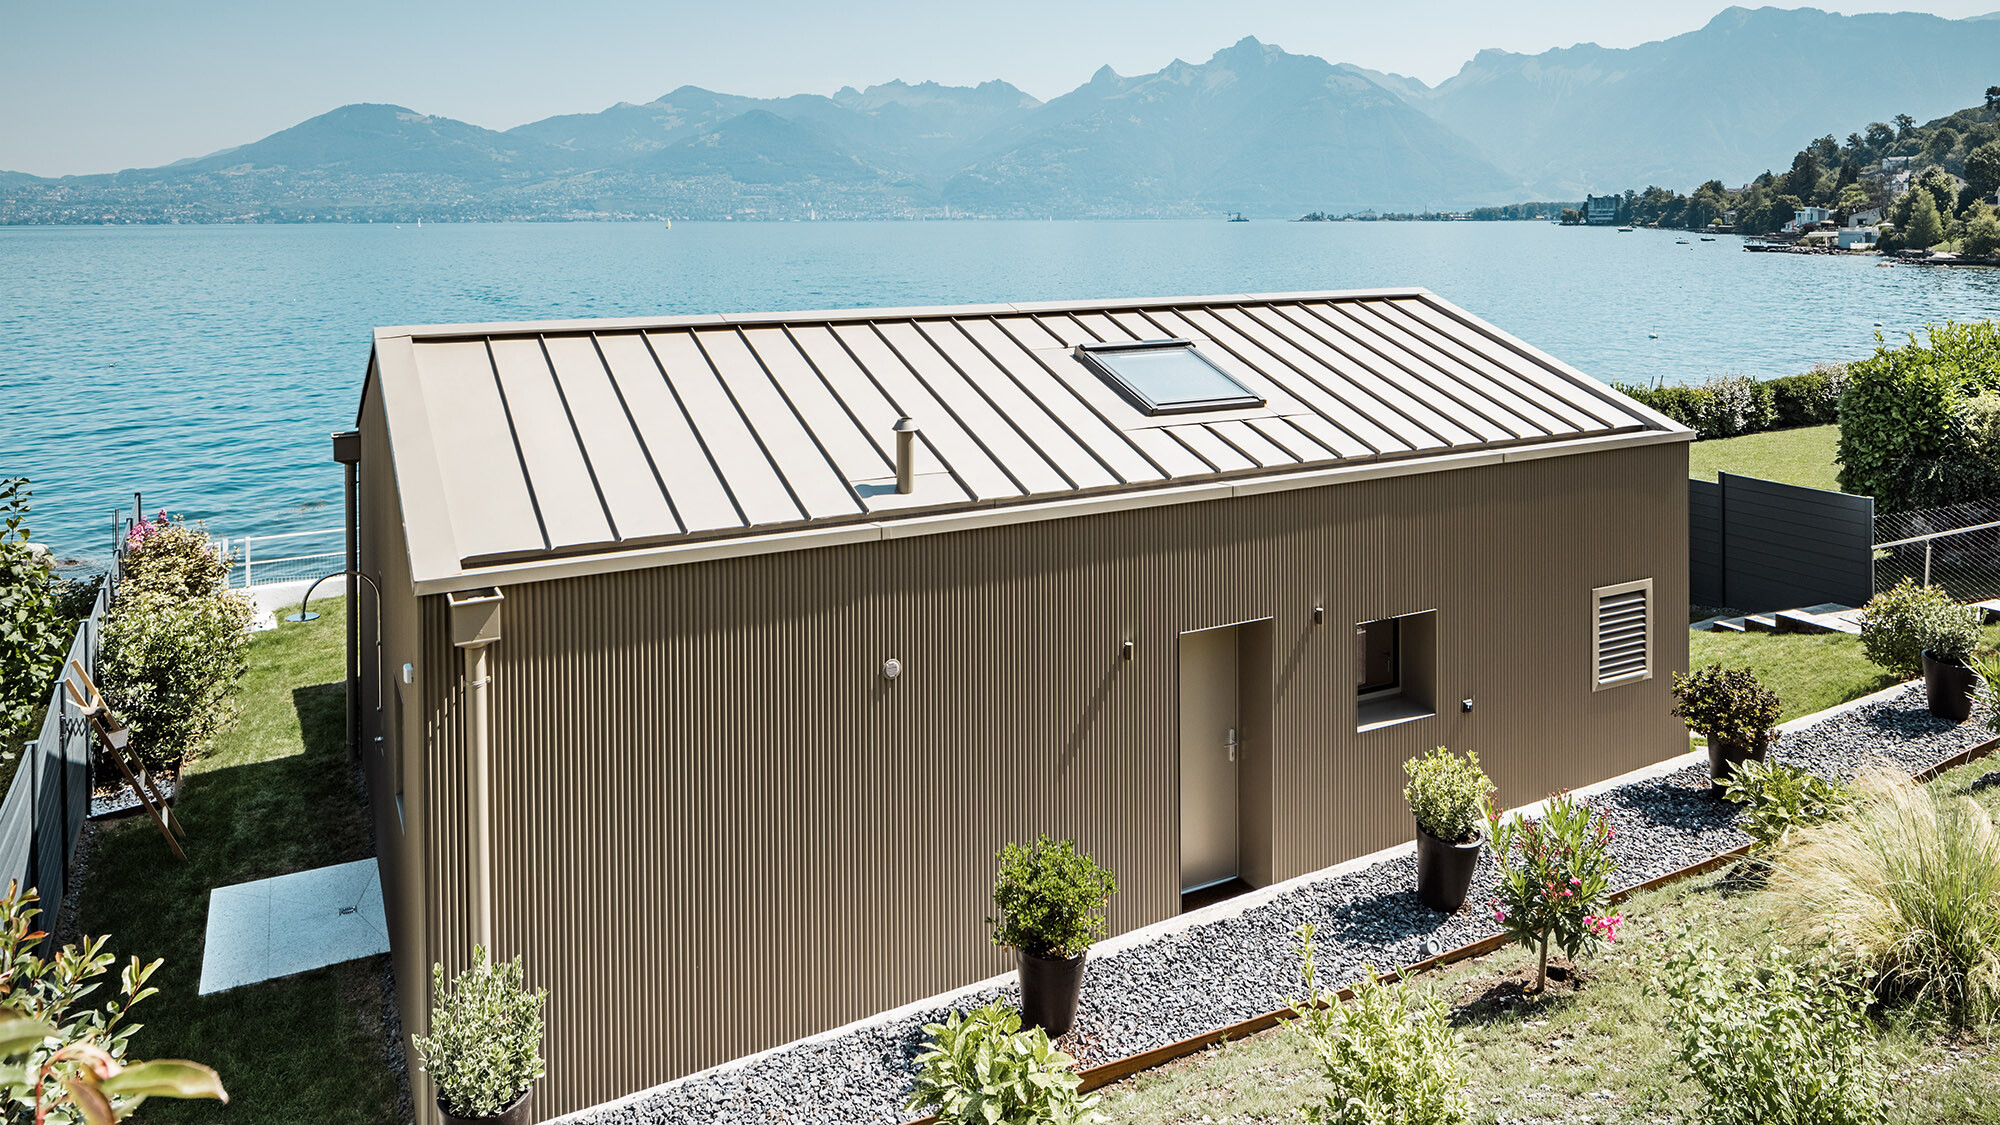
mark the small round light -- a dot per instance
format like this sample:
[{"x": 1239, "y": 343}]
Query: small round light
[{"x": 891, "y": 668}]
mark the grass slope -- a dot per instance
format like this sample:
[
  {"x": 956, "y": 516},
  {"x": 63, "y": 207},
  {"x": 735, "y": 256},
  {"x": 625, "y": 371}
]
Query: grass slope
[
  {"x": 275, "y": 797},
  {"x": 1802, "y": 456},
  {"x": 1810, "y": 672},
  {"x": 1603, "y": 1053}
]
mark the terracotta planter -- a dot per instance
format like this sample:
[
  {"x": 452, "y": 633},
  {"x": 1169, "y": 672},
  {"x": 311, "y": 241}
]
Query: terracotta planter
[
  {"x": 1724, "y": 754},
  {"x": 1444, "y": 870},
  {"x": 1050, "y": 987},
  {"x": 1949, "y": 685},
  {"x": 516, "y": 1112}
]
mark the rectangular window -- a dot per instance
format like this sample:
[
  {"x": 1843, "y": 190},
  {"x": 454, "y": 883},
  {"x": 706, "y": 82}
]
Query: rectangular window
[
  {"x": 1622, "y": 637},
  {"x": 1376, "y": 667},
  {"x": 1395, "y": 670},
  {"x": 1166, "y": 376}
]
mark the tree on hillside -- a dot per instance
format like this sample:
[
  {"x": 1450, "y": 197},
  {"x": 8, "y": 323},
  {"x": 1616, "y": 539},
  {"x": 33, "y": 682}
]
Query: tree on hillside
[
  {"x": 1853, "y": 198},
  {"x": 1993, "y": 98},
  {"x": 1904, "y": 123},
  {"x": 1982, "y": 169},
  {"x": 1803, "y": 179},
  {"x": 1880, "y": 137},
  {"x": 1925, "y": 229},
  {"x": 1982, "y": 233}
]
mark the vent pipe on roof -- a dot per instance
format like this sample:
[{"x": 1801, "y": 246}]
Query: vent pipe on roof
[{"x": 906, "y": 455}]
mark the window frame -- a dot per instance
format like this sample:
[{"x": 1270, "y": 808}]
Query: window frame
[
  {"x": 1597, "y": 596},
  {"x": 1090, "y": 355},
  {"x": 1395, "y": 685}
]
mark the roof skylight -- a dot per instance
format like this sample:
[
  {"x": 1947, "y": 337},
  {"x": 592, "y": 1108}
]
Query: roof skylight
[{"x": 1166, "y": 376}]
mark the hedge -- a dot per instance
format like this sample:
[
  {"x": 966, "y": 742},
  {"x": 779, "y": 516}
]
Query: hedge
[
  {"x": 1916, "y": 425},
  {"x": 1732, "y": 405}
]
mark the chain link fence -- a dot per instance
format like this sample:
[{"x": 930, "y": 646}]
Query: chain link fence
[
  {"x": 290, "y": 556},
  {"x": 1956, "y": 546}
]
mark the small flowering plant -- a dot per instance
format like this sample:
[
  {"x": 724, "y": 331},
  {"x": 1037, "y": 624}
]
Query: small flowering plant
[{"x": 1555, "y": 880}]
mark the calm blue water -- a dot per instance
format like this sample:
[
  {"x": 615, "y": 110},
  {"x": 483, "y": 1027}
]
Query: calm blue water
[{"x": 206, "y": 365}]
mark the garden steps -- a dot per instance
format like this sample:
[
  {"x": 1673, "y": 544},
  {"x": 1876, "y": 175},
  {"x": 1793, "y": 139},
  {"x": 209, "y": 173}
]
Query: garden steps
[
  {"x": 1990, "y": 608},
  {"x": 1828, "y": 617}
]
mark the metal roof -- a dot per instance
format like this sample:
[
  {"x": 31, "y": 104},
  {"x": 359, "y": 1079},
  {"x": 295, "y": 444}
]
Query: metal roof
[{"x": 518, "y": 444}]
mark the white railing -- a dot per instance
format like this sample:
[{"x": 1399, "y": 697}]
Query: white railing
[
  {"x": 288, "y": 556},
  {"x": 1956, "y": 547}
]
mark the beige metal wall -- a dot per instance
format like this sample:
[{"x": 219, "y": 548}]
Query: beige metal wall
[{"x": 717, "y": 827}]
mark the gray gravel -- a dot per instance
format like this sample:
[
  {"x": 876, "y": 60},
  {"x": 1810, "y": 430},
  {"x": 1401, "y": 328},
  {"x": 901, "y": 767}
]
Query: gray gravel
[{"x": 1227, "y": 970}]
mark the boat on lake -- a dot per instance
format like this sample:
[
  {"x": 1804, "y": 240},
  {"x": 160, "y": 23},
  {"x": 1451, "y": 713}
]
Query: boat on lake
[{"x": 1625, "y": 230}]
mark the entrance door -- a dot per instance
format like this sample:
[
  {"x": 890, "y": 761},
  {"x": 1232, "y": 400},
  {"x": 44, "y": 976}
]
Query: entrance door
[{"x": 1211, "y": 747}]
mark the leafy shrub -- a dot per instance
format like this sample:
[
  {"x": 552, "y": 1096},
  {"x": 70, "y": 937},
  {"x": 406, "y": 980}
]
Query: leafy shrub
[
  {"x": 33, "y": 634},
  {"x": 1986, "y": 693},
  {"x": 1899, "y": 623},
  {"x": 169, "y": 557},
  {"x": 75, "y": 597},
  {"x": 1734, "y": 405},
  {"x": 1051, "y": 899},
  {"x": 1808, "y": 399},
  {"x": 1555, "y": 880},
  {"x": 1778, "y": 799},
  {"x": 168, "y": 666},
  {"x": 1726, "y": 704},
  {"x": 1447, "y": 795},
  {"x": 1390, "y": 1054},
  {"x": 1902, "y": 439},
  {"x": 1907, "y": 886},
  {"x": 1772, "y": 1039},
  {"x": 1980, "y": 417},
  {"x": 64, "y": 1052},
  {"x": 1680, "y": 402},
  {"x": 980, "y": 1068},
  {"x": 485, "y": 1045}
]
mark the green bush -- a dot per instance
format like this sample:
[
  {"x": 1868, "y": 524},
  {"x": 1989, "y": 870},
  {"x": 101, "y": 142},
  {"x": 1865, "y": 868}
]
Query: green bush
[
  {"x": 1772, "y": 1038},
  {"x": 1906, "y": 885},
  {"x": 169, "y": 665},
  {"x": 1903, "y": 440},
  {"x": 169, "y": 557},
  {"x": 1808, "y": 399},
  {"x": 1448, "y": 795},
  {"x": 1778, "y": 799},
  {"x": 980, "y": 1068},
  {"x": 1680, "y": 402},
  {"x": 33, "y": 634},
  {"x": 1899, "y": 623},
  {"x": 1389, "y": 1055},
  {"x": 1734, "y": 405},
  {"x": 1986, "y": 692},
  {"x": 1051, "y": 899},
  {"x": 1980, "y": 417},
  {"x": 1555, "y": 880},
  {"x": 1726, "y": 704},
  {"x": 485, "y": 1044},
  {"x": 53, "y": 1020}
]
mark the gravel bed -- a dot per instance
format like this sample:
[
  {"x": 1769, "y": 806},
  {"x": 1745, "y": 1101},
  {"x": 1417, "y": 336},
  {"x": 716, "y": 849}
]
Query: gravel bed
[{"x": 1230, "y": 969}]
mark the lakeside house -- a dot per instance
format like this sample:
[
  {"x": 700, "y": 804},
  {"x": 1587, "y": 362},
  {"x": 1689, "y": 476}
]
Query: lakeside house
[
  {"x": 709, "y": 644},
  {"x": 1601, "y": 210},
  {"x": 1806, "y": 218}
]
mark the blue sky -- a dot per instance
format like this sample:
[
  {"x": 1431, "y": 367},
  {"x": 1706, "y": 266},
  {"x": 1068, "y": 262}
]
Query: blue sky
[{"x": 93, "y": 85}]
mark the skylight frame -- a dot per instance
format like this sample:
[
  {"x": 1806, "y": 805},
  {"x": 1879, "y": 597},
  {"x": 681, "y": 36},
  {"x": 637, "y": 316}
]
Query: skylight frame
[{"x": 1096, "y": 357}]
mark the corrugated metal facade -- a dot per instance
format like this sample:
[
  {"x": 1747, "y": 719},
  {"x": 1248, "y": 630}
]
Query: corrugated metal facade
[{"x": 718, "y": 827}]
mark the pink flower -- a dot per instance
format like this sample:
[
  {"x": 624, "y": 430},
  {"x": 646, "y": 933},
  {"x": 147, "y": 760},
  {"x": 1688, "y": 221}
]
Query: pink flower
[
  {"x": 1575, "y": 882},
  {"x": 1499, "y": 915}
]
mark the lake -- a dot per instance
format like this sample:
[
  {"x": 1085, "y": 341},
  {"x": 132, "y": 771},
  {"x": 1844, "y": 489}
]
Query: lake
[{"x": 207, "y": 365}]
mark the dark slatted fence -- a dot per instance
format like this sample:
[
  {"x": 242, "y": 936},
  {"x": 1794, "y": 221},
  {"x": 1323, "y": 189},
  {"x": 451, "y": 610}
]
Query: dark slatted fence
[{"x": 1757, "y": 545}]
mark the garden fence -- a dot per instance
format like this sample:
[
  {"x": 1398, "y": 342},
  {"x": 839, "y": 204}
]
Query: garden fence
[
  {"x": 48, "y": 799},
  {"x": 289, "y": 556},
  {"x": 1956, "y": 547},
  {"x": 1759, "y": 545}
]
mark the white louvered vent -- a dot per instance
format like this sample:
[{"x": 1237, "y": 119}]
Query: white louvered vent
[{"x": 1622, "y": 651}]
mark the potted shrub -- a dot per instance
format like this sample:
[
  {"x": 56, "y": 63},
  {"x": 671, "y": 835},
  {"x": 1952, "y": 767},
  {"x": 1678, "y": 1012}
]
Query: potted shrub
[
  {"x": 1051, "y": 900},
  {"x": 484, "y": 1049},
  {"x": 1909, "y": 629},
  {"x": 1447, "y": 795},
  {"x": 1733, "y": 710}
]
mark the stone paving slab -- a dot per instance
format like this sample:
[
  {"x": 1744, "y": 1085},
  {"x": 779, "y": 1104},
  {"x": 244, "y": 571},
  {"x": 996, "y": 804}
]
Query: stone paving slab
[{"x": 276, "y": 927}]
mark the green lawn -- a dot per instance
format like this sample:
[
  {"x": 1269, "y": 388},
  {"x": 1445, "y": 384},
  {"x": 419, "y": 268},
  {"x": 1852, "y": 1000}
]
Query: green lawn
[
  {"x": 275, "y": 797},
  {"x": 1810, "y": 672},
  {"x": 1602, "y": 1052},
  {"x": 1802, "y": 456}
]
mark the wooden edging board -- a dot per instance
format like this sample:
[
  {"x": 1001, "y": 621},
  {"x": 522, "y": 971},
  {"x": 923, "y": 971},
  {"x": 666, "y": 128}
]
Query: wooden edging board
[{"x": 1117, "y": 1070}]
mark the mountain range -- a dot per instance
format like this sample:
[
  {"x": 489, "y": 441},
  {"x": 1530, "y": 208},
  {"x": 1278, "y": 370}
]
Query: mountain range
[{"x": 1253, "y": 129}]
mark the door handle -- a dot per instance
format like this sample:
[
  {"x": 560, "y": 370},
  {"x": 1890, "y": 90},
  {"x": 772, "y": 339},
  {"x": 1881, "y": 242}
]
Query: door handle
[{"x": 1229, "y": 743}]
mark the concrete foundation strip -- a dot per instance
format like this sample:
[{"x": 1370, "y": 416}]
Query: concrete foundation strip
[{"x": 1117, "y": 1070}]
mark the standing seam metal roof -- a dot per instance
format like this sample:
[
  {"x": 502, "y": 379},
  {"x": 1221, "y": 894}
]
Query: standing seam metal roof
[{"x": 556, "y": 439}]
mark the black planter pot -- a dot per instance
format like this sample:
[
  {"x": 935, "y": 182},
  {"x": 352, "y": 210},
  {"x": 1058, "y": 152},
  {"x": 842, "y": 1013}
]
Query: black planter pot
[
  {"x": 1723, "y": 756},
  {"x": 515, "y": 1112},
  {"x": 1444, "y": 870},
  {"x": 1949, "y": 684},
  {"x": 1049, "y": 990}
]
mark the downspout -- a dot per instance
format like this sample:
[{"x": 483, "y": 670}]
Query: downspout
[
  {"x": 475, "y": 625},
  {"x": 347, "y": 451}
]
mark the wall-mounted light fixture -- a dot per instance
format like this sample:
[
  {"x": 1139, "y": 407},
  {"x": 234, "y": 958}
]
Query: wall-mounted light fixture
[
  {"x": 1319, "y": 615},
  {"x": 409, "y": 673},
  {"x": 891, "y": 668},
  {"x": 1126, "y": 650}
]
